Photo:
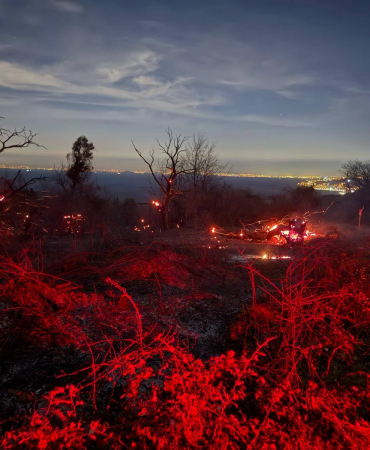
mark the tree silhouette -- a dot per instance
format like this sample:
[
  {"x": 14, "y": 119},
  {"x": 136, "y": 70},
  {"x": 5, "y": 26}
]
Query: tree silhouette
[
  {"x": 358, "y": 172},
  {"x": 167, "y": 174},
  {"x": 16, "y": 139},
  {"x": 80, "y": 162}
]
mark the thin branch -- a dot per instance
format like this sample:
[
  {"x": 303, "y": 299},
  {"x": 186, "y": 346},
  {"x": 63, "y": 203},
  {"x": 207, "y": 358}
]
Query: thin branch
[
  {"x": 22, "y": 137},
  {"x": 150, "y": 165},
  {"x": 10, "y": 184}
]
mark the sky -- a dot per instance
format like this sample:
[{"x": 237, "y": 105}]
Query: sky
[{"x": 279, "y": 86}]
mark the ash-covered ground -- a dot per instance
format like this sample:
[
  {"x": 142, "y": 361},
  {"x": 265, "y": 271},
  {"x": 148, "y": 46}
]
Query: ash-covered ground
[{"x": 70, "y": 303}]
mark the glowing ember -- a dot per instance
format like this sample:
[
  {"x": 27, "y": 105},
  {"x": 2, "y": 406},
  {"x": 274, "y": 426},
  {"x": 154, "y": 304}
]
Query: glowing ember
[{"x": 73, "y": 223}]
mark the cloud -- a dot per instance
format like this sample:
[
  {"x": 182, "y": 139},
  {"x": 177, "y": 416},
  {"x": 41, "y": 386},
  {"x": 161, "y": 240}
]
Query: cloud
[
  {"x": 276, "y": 121},
  {"x": 129, "y": 66},
  {"x": 245, "y": 64},
  {"x": 69, "y": 7},
  {"x": 133, "y": 80},
  {"x": 100, "y": 90},
  {"x": 136, "y": 64},
  {"x": 146, "y": 81},
  {"x": 105, "y": 69},
  {"x": 171, "y": 96},
  {"x": 16, "y": 76},
  {"x": 291, "y": 95},
  {"x": 273, "y": 79},
  {"x": 356, "y": 90}
]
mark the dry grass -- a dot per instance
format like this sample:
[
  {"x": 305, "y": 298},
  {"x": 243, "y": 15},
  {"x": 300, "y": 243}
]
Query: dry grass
[{"x": 300, "y": 382}]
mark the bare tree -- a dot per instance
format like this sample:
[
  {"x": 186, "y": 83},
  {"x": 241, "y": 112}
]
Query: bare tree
[
  {"x": 20, "y": 206},
  {"x": 168, "y": 173},
  {"x": 202, "y": 176},
  {"x": 14, "y": 187},
  {"x": 60, "y": 178},
  {"x": 17, "y": 139},
  {"x": 11, "y": 140},
  {"x": 202, "y": 166},
  {"x": 358, "y": 172}
]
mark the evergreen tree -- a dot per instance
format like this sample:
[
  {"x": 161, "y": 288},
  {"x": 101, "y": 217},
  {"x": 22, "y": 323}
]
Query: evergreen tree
[{"x": 80, "y": 162}]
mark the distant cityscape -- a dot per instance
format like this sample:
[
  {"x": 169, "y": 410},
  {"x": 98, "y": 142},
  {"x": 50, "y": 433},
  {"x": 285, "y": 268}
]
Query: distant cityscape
[
  {"x": 333, "y": 184},
  {"x": 329, "y": 183}
]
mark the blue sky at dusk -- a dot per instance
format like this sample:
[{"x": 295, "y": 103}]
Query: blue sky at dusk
[{"x": 279, "y": 86}]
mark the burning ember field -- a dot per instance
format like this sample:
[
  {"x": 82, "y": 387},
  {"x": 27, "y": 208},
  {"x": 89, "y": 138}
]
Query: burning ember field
[{"x": 186, "y": 341}]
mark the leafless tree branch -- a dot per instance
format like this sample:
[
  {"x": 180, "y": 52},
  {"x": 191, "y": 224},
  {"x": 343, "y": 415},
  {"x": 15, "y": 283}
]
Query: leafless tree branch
[
  {"x": 17, "y": 139},
  {"x": 168, "y": 171}
]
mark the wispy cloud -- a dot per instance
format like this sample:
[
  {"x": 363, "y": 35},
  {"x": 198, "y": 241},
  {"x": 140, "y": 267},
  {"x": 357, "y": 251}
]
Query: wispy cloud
[
  {"x": 170, "y": 96},
  {"x": 291, "y": 95},
  {"x": 116, "y": 63},
  {"x": 277, "y": 121},
  {"x": 137, "y": 63},
  {"x": 274, "y": 78},
  {"x": 356, "y": 90},
  {"x": 68, "y": 7},
  {"x": 144, "y": 80},
  {"x": 17, "y": 77}
]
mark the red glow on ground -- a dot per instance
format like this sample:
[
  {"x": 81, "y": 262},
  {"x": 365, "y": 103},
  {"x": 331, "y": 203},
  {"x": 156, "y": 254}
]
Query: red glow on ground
[{"x": 296, "y": 382}]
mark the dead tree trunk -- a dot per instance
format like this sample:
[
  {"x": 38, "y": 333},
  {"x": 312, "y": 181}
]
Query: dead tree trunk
[{"x": 167, "y": 174}]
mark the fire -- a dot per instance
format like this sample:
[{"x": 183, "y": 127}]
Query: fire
[
  {"x": 281, "y": 257},
  {"x": 155, "y": 203},
  {"x": 142, "y": 226},
  {"x": 73, "y": 223},
  {"x": 291, "y": 231}
]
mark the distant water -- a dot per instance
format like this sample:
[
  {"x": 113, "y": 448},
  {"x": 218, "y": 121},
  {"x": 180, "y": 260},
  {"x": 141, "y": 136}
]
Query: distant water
[{"x": 138, "y": 186}]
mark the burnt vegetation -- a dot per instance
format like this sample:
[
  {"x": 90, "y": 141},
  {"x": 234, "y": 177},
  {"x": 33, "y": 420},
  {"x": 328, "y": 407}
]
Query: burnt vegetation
[{"x": 127, "y": 325}]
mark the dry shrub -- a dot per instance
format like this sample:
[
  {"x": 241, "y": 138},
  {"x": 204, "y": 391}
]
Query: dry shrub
[
  {"x": 144, "y": 389},
  {"x": 154, "y": 263},
  {"x": 320, "y": 308},
  {"x": 46, "y": 311},
  {"x": 165, "y": 267}
]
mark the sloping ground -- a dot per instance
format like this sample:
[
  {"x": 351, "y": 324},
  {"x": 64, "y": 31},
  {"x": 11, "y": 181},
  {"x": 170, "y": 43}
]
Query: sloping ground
[
  {"x": 345, "y": 209},
  {"x": 175, "y": 345}
]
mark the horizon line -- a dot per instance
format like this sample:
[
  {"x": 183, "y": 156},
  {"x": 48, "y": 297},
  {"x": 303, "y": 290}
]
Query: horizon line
[{"x": 227, "y": 174}]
